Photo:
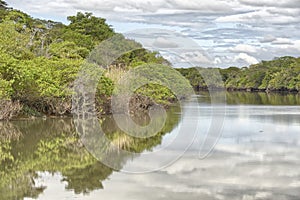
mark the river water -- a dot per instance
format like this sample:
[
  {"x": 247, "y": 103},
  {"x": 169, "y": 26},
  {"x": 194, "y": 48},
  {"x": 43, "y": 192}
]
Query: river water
[{"x": 254, "y": 154}]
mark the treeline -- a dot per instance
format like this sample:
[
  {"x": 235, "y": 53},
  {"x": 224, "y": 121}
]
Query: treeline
[
  {"x": 40, "y": 59},
  {"x": 280, "y": 74}
]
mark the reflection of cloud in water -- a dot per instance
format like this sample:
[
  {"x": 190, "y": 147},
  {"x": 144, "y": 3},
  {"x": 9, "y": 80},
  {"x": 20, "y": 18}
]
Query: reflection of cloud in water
[
  {"x": 257, "y": 158},
  {"x": 225, "y": 175}
]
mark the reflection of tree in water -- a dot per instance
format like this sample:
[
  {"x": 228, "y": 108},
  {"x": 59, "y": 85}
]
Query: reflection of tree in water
[
  {"x": 23, "y": 186},
  {"x": 262, "y": 98},
  {"x": 52, "y": 145},
  {"x": 139, "y": 145},
  {"x": 8, "y": 131},
  {"x": 85, "y": 180},
  {"x": 256, "y": 98}
]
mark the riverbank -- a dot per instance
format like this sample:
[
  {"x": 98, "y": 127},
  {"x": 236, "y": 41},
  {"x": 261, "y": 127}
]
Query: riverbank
[
  {"x": 283, "y": 90},
  {"x": 139, "y": 105}
]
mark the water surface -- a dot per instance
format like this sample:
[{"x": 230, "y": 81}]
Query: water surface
[{"x": 257, "y": 156}]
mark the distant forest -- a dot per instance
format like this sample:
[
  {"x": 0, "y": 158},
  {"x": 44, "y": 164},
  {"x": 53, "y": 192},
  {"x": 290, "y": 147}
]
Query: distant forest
[{"x": 280, "y": 74}]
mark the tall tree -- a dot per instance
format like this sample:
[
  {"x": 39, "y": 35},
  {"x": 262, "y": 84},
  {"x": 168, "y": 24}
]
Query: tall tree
[{"x": 87, "y": 24}]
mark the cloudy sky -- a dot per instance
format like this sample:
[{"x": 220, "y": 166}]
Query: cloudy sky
[{"x": 223, "y": 32}]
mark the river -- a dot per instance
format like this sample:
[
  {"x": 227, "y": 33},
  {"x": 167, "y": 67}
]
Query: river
[{"x": 254, "y": 154}]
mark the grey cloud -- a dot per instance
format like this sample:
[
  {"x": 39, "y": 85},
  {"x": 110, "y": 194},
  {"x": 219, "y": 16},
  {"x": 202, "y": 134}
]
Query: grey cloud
[
  {"x": 204, "y": 6},
  {"x": 271, "y": 3},
  {"x": 186, "y": 20},
  {"x": 144, "y": 6},
  {"x": 261, "y": 17},
  {"x": 228, "y": 33},
  {"x": 294, "y": 12},
  {"x": 267, "y": 39},
  {"x": 162, "y": 42},
  {"x": 198, "y": 58},
  {"x": 224, "y": 45}
]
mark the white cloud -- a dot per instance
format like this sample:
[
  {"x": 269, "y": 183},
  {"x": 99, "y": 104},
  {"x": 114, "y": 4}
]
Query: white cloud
[
  {"x": 245, "y": 48},
  {"x": 217, "y": 61},
  {"x": 280, "y": 41},
  {"x": 243, "y": 57}
]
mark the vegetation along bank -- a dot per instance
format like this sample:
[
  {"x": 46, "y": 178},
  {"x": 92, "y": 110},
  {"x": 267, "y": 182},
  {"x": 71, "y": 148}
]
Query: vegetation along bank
[{"x": 40, "y": 59}]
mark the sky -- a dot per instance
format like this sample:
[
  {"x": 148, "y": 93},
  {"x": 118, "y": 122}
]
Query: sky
[{"x": 209, "y": 33}]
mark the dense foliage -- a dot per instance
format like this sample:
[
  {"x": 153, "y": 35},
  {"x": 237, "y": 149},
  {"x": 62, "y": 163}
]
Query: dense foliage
[
  {"x": 40, "y": 59},
  {"x": 280, "y": 74}
]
